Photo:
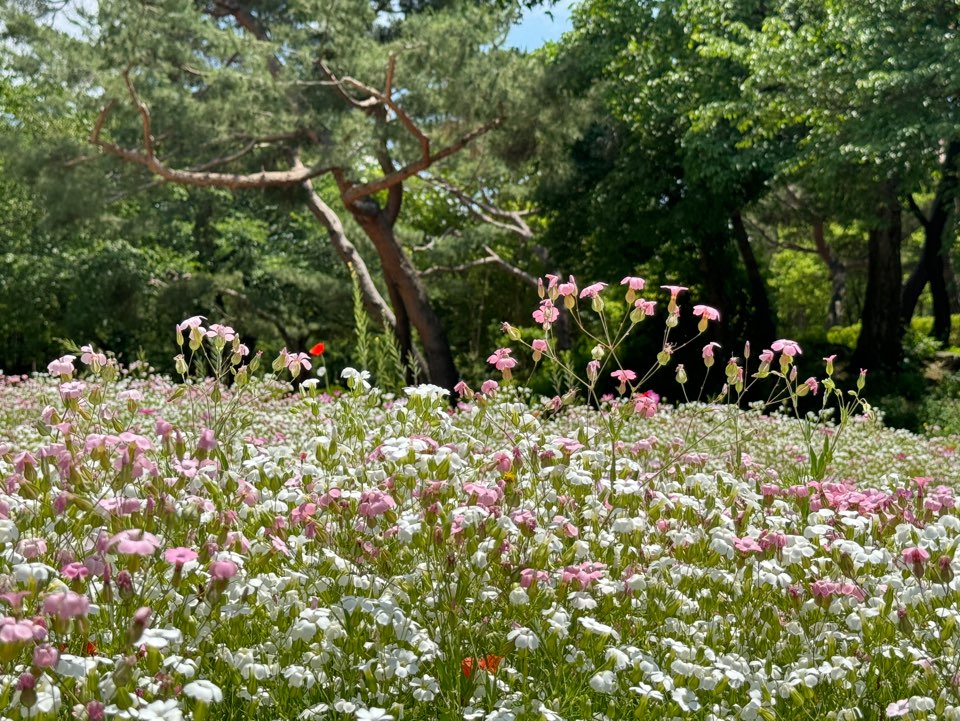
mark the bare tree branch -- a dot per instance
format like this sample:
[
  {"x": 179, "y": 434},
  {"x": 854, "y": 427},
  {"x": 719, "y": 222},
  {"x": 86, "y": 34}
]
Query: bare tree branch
[
  {"x": 200, "y": 177},
  {"x": 142, "y": 110},
  {"x": 486, "y": 211},
  {"x": 491, "y": 258},
  {"x": 377, "y": 100}
]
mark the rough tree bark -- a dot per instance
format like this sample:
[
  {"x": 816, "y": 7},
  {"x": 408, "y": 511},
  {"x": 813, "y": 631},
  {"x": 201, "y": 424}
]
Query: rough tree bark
[
  {"x": 881, "y": 333},
  {"x": 932, "y": 268},
  {"x": 408, "y": 293}
]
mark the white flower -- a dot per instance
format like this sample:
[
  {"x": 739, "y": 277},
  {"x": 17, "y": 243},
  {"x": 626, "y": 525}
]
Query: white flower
[
  {"x": 161, "y": 637},
  {"x": 344, "y": 706},
  {"x": 373, "y": 713},
  {"x": 524, "y": 638},
  {"x": 314, "y": 713},
  {"x": 161, "y": 711},
  {"x": 604, "y": 682},
  {"x": 592, "y": 625},
  {"x": 356, "y": 379},
  {"x": 519, "y": 597},
  {"x": 204, "y": 691},
  {"x": 685, "y": 699}
]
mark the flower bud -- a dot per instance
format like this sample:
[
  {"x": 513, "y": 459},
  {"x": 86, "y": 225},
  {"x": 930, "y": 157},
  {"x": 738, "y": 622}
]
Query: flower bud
[
  {"x": 512, "y": 333},
  {"x": 681, "y": 374}
]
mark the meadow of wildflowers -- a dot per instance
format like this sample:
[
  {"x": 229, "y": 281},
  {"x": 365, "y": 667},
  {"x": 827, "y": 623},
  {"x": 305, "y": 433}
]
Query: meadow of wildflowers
[{"x": 223, "y": 546}]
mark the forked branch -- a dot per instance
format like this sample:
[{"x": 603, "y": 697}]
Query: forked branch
[
  {"x": 377, "y": 101},
  {"x": 198, "y": 177}
]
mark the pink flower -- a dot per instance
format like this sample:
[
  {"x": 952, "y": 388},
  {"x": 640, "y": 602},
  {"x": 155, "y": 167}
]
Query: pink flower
[
  {"x": 646, "y": 404},
  {"x": 375, "y": 503},
  {"x": 552, "y": 280},
  {"x": 65, "y": 605},
  {"x": 14, "y": 631},
  {"x": 489, "y": 387},
  {"x": 31, "y": 548},
  {"x": 296, "y": 361},
  {"x": 75, "y": 571},
  {"x": 223, "y": 332},
  {"x": 62, "y": 366},
  {"x": 633, "y": 282},
  {"x": 568, "y": 288},
  {"x": 708, "y": 349},
  {"x": 72, "y": 391},
  {"x": 223, "y": 570},
  {"x": 530, "y": 576},
  {"x": 463, "y": 390},
  {"x": 91, "y": 357},
  {"x": 592, "y": 290},
  {"x": 134, "y": 542},
  {"x": 208, "y": 441},
  {"x": 501, "y": 359},
  {"x": 645, "y": 306},
  {"x": 624, "y": 376},
  {"x": 766, "y": 356},
  {"x": 191, "y": 323},
  {"x": 829, "y": 361},
  {"x": 707, "y": 312},
  {"x": 485, "y": 496},
  {"x": 675, "y": 290},
  {"x": 546, "y": 314},
  {"x": 812, "y": 384},
  {"x": 789, "y": 348},
  {"x": 179, "y": 556},
  {"x": 747, "y": 545},
  {"x": 45, "y": 656},
  {"x": 915, "y": 556},
  {"x": 539, "y": 345},
  {"x": 584, "y": 574}
]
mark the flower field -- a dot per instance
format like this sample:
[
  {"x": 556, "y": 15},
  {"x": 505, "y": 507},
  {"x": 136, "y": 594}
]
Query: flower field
[{"x": 177, "y": 550}]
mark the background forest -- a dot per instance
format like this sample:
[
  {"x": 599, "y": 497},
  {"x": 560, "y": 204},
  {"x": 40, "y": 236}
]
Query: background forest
[{"x": 262, "y": 162}]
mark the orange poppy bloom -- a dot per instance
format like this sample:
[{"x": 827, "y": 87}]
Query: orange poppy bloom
[
  {"x": 318, "y": 349},
  {"x": 489, "y": 663}
]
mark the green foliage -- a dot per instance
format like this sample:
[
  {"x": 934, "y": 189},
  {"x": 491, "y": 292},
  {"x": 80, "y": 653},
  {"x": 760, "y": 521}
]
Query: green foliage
[{"x": 802, "y": 286}]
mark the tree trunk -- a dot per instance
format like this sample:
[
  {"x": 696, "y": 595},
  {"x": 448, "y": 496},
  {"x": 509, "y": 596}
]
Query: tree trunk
[
  {"x": 932, "y": 266},
  {"x": 763, "y": 330},
  {"x": 838, "y": 275},
  {"x": 881, "y": 332},
  {"x": 373, "y": 301},
  {"x": 410, "y": 294}
]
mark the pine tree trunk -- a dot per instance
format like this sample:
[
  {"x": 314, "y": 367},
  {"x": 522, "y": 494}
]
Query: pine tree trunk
[{"x": 407, "y": 294}]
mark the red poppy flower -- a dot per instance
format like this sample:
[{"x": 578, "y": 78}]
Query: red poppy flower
[
  {"x": 91, "y": 648},
  {"x": 317, "y": 349},
  {"x": 491, "y": 663}
]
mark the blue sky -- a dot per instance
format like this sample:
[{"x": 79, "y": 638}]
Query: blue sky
[{"x": 537, "y": 27}]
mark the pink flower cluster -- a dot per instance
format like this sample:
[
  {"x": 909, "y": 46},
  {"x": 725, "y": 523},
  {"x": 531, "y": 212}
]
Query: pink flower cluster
[
  {"x": 824, "y": 590},
  {"x": 585, "y": 574}
]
